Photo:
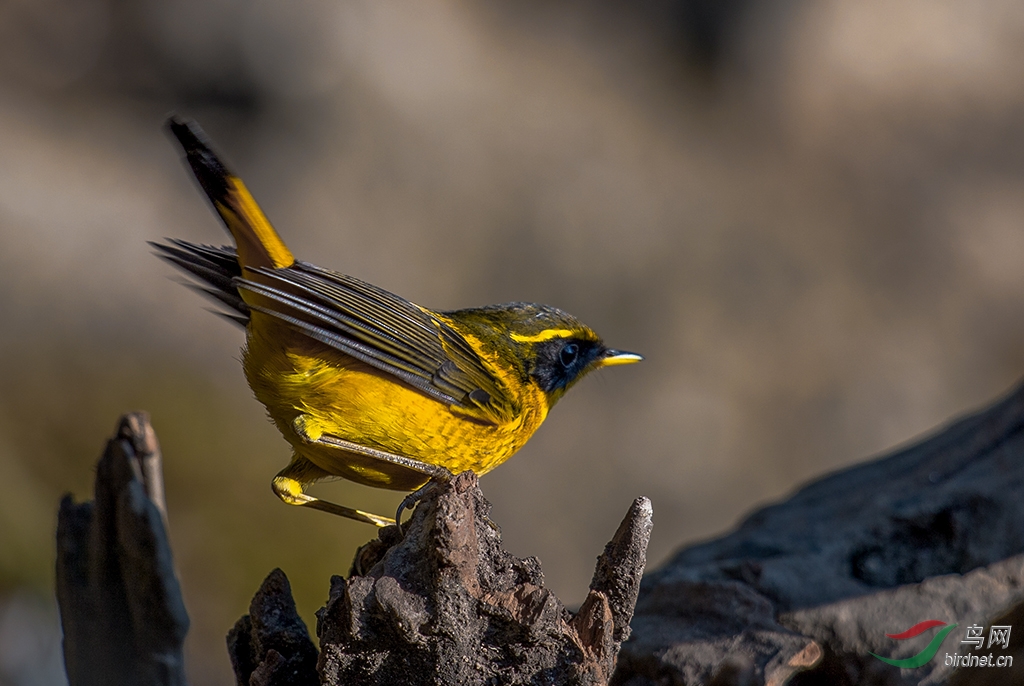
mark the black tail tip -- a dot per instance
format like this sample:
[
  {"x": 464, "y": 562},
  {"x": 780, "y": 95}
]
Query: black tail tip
[
  {"x": 188, "y": 133},
  {"x": 207, "y": 167}
]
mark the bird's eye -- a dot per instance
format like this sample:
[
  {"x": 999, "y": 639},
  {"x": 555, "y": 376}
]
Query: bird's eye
[{"x": 568, "y": 354}]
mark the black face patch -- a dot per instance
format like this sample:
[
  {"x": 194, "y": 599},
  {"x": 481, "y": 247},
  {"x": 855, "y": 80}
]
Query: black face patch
[{"x": 560, "y": 361}]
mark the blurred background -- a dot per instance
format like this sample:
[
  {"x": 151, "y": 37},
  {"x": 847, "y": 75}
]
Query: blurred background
[{"x": 809, "y": 216}]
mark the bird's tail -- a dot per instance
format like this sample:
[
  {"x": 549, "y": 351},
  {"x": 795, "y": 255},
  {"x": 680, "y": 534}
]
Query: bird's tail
[
  {"x": 214, "y": 268},
  {"x": 256, "y": 240}
]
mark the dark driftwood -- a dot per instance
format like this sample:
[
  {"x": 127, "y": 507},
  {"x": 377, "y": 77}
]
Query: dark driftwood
[
  {"x": 445, "y": 604},
  {"x": 121, "y": 608},
  {"x": 803, "y": 591}
]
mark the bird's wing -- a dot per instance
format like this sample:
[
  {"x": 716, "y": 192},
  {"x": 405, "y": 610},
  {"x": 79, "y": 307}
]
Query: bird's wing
[{"x": 386, "y": 332}]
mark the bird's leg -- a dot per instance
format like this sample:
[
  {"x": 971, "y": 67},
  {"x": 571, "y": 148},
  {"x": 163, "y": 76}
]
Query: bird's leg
[
  {"x": 291, "y": 481},
  {"x": 409, "y": 502},
  {"x": 437, "y": 473}
]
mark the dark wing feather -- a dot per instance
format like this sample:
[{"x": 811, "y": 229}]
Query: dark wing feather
[
  {"x": 359, "y": 319},
  {"x": 386, "y": 332}
]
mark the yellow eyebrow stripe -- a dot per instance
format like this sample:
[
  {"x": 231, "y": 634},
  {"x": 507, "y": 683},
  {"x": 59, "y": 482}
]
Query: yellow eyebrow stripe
[{"x": 545, "y": 335}]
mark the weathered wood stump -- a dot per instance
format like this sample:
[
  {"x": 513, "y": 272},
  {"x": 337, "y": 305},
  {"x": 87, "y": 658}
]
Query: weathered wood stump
[
  {"x": 120, "y": 603},
  {"x": 445, "y": 604}
]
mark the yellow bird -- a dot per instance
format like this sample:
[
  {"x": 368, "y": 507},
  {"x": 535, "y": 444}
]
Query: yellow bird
[{"x": 364, "y": 384}]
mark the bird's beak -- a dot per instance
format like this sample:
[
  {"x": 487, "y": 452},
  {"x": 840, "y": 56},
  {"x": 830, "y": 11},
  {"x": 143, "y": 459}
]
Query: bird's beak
[{"x": 610, "y": 358}]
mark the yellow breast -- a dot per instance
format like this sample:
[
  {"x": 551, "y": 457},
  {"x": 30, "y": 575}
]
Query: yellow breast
[{"x": 332, "y": 393}]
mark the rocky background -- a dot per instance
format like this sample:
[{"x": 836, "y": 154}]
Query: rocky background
[{"x": 806, "y": 214}]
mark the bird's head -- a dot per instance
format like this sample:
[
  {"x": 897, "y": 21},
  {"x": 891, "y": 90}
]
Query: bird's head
[{"x": 541, "y": 344}]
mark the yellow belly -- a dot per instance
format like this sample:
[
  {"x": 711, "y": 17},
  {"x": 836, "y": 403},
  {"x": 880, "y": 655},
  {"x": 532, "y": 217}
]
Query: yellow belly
[{"x": 296, "y": 377}]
